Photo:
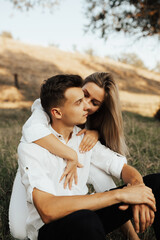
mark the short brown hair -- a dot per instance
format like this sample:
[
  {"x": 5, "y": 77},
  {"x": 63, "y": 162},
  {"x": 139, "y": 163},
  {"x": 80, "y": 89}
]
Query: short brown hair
[{"x": 53, "y": 89}]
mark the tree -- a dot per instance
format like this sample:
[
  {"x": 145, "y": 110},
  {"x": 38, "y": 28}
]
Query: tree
[
  {"x": 28, "y": 4},
  {"x": 141, "y": 17},
  {"x": 157, "y": 67},
  {"x": 132, "y": 59},
  {"x": 6, "y": 34}
]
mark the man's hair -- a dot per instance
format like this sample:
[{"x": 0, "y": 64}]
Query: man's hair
[{"x": 53, "y": 89}]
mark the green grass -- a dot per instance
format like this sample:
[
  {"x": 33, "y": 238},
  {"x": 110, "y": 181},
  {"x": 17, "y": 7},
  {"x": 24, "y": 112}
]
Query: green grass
[{"x": 142, "y": 135}]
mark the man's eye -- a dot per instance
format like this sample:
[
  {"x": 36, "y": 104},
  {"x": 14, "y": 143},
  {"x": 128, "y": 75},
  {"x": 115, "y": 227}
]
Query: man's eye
[{"x": 79, "y": 102}]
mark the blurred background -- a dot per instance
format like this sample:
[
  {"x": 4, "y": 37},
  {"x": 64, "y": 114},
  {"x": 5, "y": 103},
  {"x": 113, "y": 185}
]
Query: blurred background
[{"x": 41, "y": 38}]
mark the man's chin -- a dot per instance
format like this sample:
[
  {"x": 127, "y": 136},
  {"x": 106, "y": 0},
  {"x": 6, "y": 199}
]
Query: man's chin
[{"x": 83, "y": 121}]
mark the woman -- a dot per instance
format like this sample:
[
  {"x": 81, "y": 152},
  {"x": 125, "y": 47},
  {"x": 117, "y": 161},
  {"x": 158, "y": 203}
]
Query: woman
[{"x": 104, "y": 122}]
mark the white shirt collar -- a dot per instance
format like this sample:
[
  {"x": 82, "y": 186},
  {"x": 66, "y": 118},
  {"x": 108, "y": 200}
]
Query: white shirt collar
[{"x": 60, "y": 136}]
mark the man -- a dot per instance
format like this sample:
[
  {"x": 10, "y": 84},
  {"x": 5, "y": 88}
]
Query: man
[{"x": 58, "y": 213}]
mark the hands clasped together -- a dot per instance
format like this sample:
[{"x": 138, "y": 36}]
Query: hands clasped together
[
  {"x": 139, "y": 196},
  {"x": 143, "y": 205}
]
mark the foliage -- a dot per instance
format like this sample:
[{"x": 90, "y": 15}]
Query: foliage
[
  {"x": 140, "y": 17},
  {"x": 142, "y": 135},
  {"x": 10, "y": 133},
  {"x": 157, "y": 114},
  {"x": 28, "y": 4},
  {"x": 157, "y": 67},
  {"x": 132, "y": 59},
  {"x": 6, "y": 34},
  {"x": 89, "y": 51}
]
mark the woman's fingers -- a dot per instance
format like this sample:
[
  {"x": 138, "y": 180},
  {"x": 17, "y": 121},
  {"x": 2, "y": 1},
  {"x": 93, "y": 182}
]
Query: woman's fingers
[
  {"x": 70, "y": 174},
  {"x": 81, "y": 132},
  {"x": 79, "y": 165},
  {"x": 66, "y": 171},
  {"x": 90, "y": 145},
  {"x": 89, "y": 140},
  {"x": 83, "y": 143},
  {"x": 67, "y": 179},
  {"x": 87, "y": 144},
  {"x": 76, "y": 177},
  {"x": 71, "y": 181}
]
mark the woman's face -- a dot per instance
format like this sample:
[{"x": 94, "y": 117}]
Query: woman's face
[{"x": 94, "y": 96}]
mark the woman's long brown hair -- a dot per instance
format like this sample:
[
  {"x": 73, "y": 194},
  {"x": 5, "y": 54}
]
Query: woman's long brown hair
[{"x": 108, "y": 119}]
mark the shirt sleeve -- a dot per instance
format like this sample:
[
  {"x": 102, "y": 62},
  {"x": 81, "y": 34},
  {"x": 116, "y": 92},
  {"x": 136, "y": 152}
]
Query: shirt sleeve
[
  {"x": 32, "y": 163},
  {"x": 37, "y": 126},
  {"x": 108, "y": 160}
]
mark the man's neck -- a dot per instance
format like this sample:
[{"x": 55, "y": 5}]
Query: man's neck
[{"x": 65, "y": 131}]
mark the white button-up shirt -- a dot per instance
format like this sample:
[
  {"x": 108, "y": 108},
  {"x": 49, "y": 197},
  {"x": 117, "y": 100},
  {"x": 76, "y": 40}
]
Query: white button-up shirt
[{"x": 42, "y": 170}]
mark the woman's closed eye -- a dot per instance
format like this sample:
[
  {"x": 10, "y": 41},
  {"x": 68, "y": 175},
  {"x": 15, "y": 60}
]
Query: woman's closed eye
[
  {"x": 86, "y": 95},
  {"x": 95, "y": 103}
]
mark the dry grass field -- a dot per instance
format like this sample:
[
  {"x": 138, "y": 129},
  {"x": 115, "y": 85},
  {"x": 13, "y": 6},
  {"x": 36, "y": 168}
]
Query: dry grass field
[
  {"x": 139, "y": 89},
  {"x": 139, "y": 93}
]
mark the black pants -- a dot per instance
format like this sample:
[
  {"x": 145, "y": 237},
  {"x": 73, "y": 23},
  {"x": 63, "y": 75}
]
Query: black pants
[{"x": 94, "y": 225}]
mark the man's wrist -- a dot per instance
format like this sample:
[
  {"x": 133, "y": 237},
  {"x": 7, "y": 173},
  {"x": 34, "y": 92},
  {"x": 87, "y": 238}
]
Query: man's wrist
[{"x": 136, "y": 181}]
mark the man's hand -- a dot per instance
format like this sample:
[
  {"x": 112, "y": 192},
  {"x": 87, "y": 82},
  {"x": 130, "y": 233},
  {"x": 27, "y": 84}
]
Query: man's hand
[
  {"x": 143, "y": 217},
  {"x": 138, "y": 194},
  {"x": 89, "y": 140},
  {"x": 71, "y": 173}
]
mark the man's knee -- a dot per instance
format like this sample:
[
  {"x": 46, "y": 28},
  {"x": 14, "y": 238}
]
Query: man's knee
[
  {"x": 153, "y": 181},
  {"x": 87, "y": 222}
]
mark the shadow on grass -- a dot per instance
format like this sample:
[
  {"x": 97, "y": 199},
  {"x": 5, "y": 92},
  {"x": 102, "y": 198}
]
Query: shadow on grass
[{"x": 31, "y": 72}]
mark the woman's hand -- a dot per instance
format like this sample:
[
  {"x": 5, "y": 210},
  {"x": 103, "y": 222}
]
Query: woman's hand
[
  {"x": 71, "y": 173},
  {"x": 89, "y": 140}
]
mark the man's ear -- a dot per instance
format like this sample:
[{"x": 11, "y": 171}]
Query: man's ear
[{"x": 56, "y": 113}]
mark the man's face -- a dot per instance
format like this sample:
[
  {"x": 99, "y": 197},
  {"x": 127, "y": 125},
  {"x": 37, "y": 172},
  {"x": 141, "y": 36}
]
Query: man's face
[{"x": 74, "y": 111}]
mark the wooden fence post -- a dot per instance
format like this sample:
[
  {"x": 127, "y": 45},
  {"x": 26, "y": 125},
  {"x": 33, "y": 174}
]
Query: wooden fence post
[{"x": 16, "y": 83}]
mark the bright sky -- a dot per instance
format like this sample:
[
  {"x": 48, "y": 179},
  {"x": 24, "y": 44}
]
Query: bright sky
[{"x": 65, "y": 27}]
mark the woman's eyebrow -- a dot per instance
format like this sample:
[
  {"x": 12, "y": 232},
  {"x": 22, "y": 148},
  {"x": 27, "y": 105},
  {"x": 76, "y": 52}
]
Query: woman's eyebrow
[{"x": 93, "y": 98}]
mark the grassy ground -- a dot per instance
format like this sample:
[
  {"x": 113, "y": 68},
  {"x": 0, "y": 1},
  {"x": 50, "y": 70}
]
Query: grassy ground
[{"x": 142, "y": 135}]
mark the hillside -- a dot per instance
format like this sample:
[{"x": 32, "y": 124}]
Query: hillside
[{"x": 139, "y": 89}]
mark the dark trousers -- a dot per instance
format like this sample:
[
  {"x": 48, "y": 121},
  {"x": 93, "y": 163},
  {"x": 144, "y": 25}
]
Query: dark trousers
[{"x": 94, "y": 225}]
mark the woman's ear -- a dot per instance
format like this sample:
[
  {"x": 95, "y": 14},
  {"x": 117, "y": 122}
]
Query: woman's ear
[{"x": 56, "y": 113}]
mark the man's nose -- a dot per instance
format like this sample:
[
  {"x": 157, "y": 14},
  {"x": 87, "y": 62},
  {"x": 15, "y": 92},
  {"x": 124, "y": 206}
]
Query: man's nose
[{"x": 86, "y": 105}]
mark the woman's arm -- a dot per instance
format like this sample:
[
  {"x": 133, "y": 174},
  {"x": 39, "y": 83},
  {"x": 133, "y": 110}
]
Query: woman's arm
[{"x": 56, "y": 147}]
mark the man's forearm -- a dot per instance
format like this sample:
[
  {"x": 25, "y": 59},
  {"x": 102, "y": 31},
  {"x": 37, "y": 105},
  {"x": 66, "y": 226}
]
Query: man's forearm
[
  {"x": 52, "y": 207},
  {"x": 131, "y": 175}
]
